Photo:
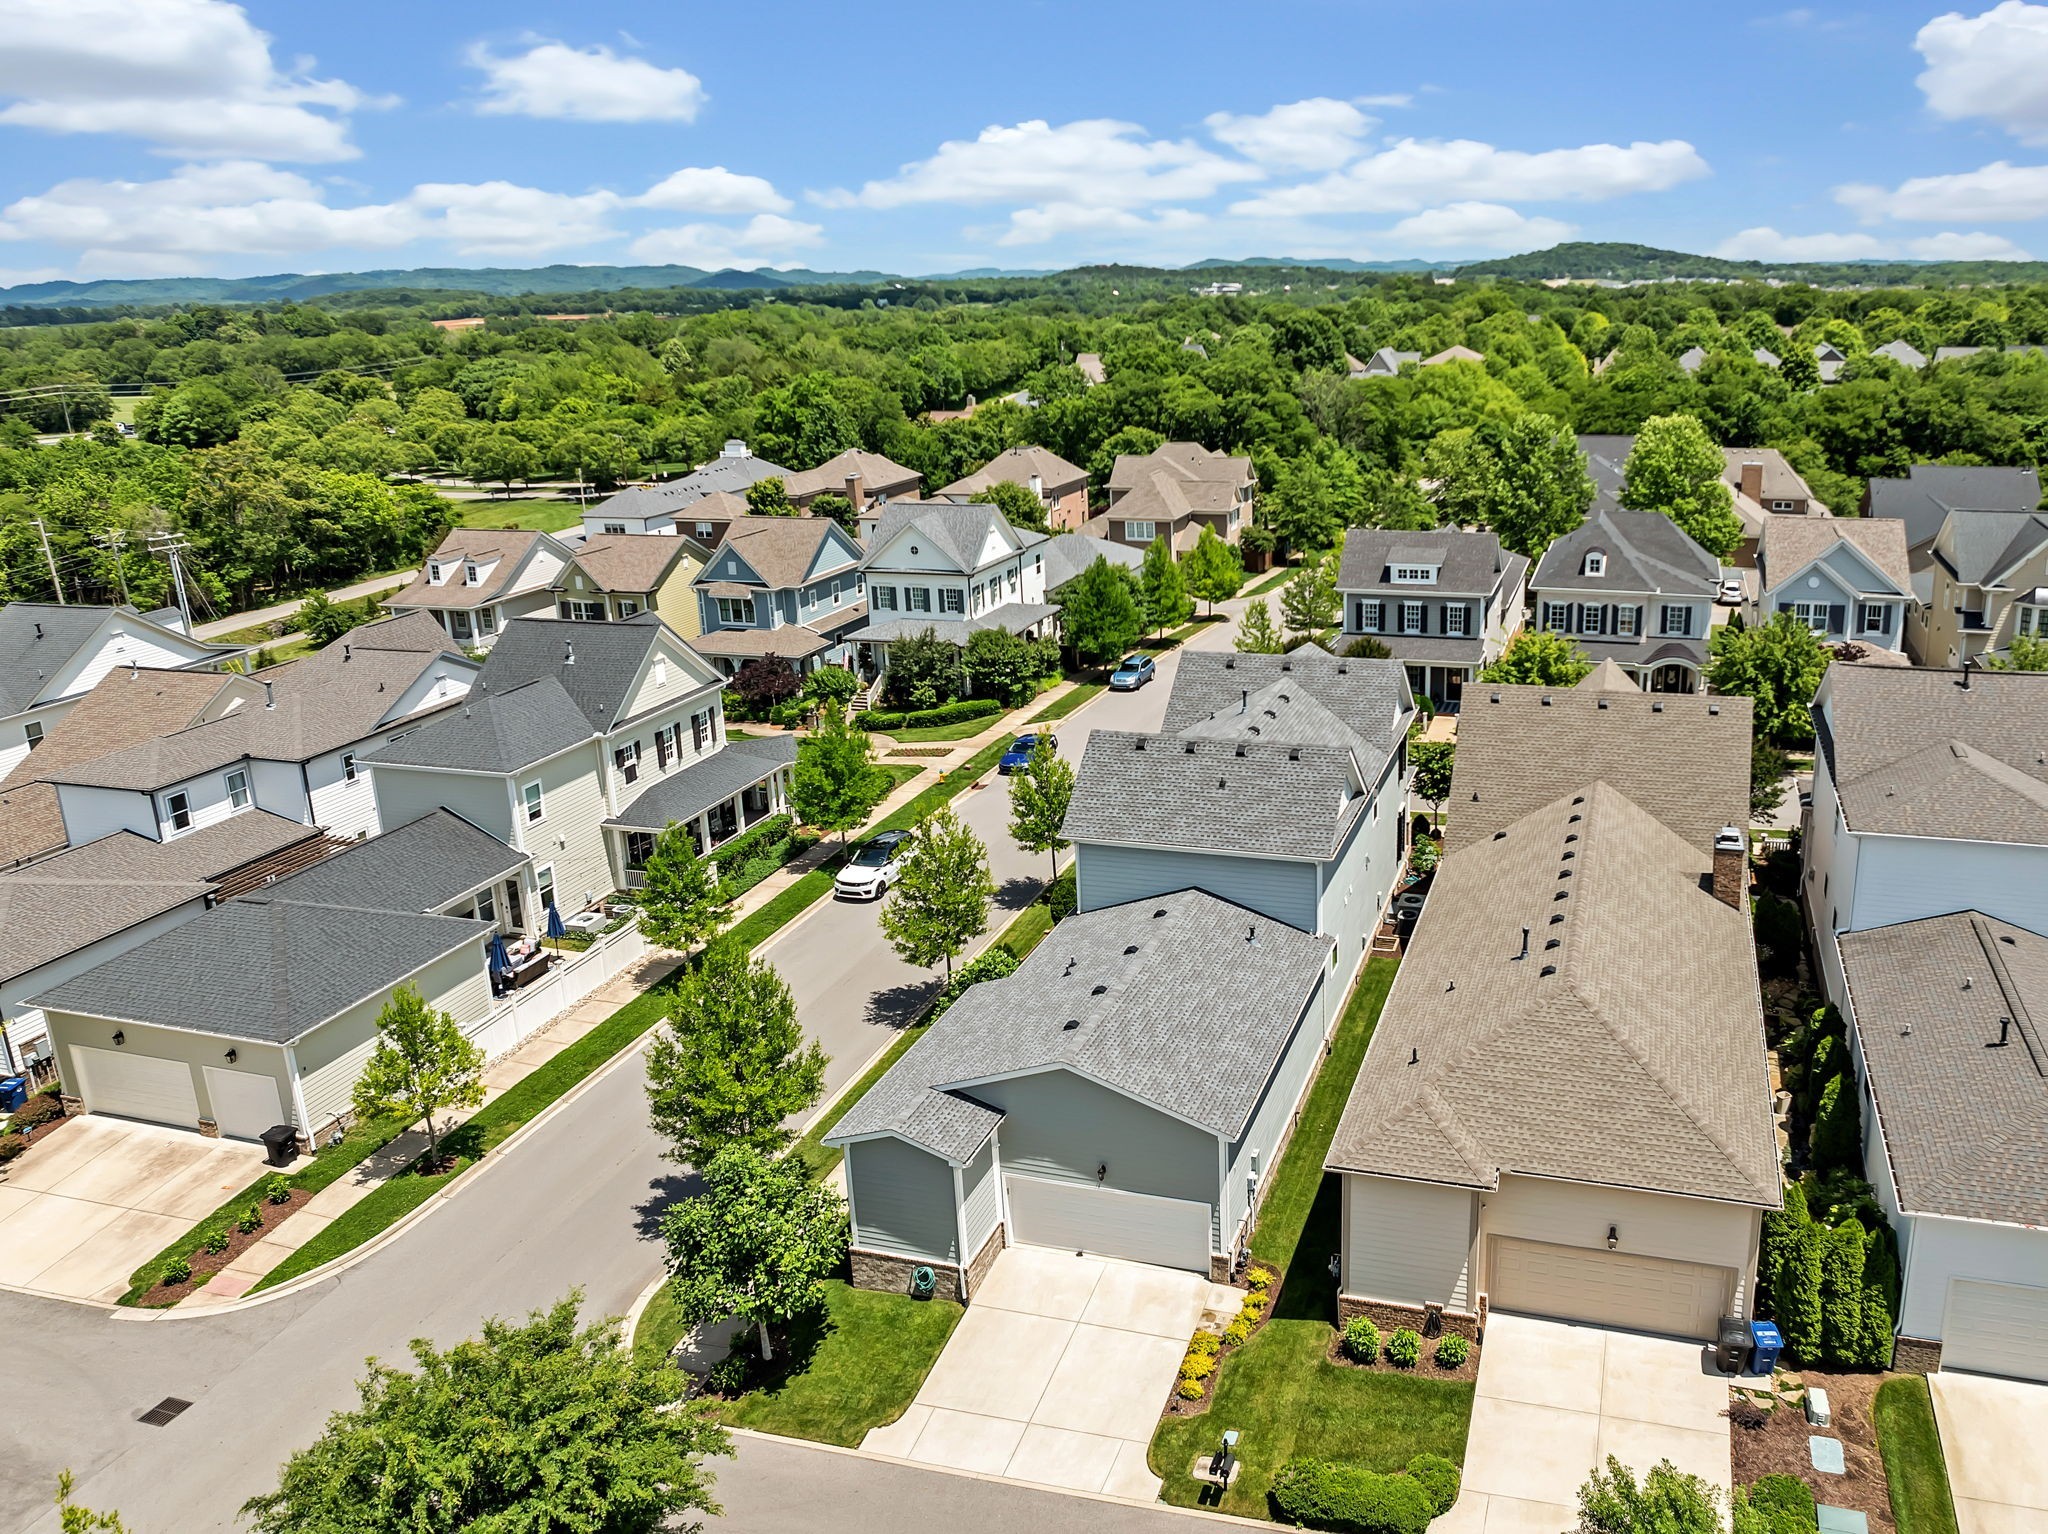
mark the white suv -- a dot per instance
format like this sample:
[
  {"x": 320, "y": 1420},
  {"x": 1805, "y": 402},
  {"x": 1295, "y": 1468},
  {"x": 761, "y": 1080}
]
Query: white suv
[{"x": 873, "y": 867}]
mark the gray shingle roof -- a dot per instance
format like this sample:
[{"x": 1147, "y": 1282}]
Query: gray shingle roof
[
  {"x": 1192, "y": 1022},
  {"x": 494, "y": 731},
  {"x": 419, "y": 866},
  {"x": 1914, "y": 753},
  {"x": 1645, "y": 551},
  {"x": 1068, "y": 554},
  {"x": 1370, "y": 696},
  {"x": 607, "y": 658},
  {"x": 1930, "y": 491},
  {"x": 732, "y": 475},
  {"x": 1985, "y": 544},
  {"x": 30, "y": 662},
  {"x": 689, "y": 793},
  {"x": 1682, "y": 757},
  {"x": 959, "y": 529},
  {"x": 1471, "y": 564},
  {"x": 1965, "y": 1122},
  {"x": 1605, "y": 458},
  {"x": 877, "y": 473},
  {"x": 1631, "y": 1054},
  {"x": 264, "y": 968}
]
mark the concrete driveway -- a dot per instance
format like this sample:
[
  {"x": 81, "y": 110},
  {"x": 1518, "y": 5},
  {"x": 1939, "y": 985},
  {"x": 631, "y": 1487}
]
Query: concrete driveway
[
  {"x": 1554, "y": 1399},
  {"x": 1056, "y": 1375},
  {"x": 81, "y": 1212},
  {"x": 1991, "y": 1434}
]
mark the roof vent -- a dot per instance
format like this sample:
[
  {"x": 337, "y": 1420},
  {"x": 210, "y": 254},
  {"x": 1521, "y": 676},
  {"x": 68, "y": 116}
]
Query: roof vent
[
  {"x": 1219, "y": 782},
  {"x": 1569, "y": 855},
  {"x": 1657, "y": 707},
  {"x": 2007, "y": 941},
  {"x": 39, "y": 631},
  {"x": 2004, "y": 1034},
  {"x": 1069, "y": 969},
  {"x": 1546, "y": 700},
  {"x": 1240, "y": 748},
  {"x": 1287, "y": 665},
  {"x": 1138, "y": 744},
  {"x": 1495, "y": 698},
  {"x": 347, "y": 654},
  {"x": 1562, "y": 895},
  {"x": 1251, "y": 933},
  {"x": 1098, "y": 990},
  {"x": 1229, "y": 663},
  {"x": 1159, "y": 913},
  {"x": 1294, "y": 753},
  {"x": 1070, "y": 1025},
  {"x": 1342, "y": 669},
  {"x": 1578, "y": 799},
  {"x": 1556, "y": 917},
  {"x": 1551, "y": 942},
  {"x": 1129, "y": 949},
  {"x": 1714, "y": 708},
  {"x": 568, "y": 652},
  {"x": 1548, "y": 969},
  {"x": 1191, "y": 748},
  {"x": 1414, "y": 1057},
  {"x": 1498, "y": 835},
  {"x": 1575, "y": 820}
]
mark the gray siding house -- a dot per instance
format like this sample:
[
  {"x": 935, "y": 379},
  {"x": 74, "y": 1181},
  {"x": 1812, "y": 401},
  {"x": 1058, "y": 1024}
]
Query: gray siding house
[
  {"x": 1124, "y": 1093},
  {"x": 1631, "y": 587},
  {"x": 1845, "y": 578},
  {"x": 783, "y": 586},
  {"x": 1446, "y": 603}
]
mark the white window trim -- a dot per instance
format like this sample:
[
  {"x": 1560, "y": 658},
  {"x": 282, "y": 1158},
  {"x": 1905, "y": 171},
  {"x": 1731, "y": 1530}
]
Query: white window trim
[
  {"x": 348, "y": 766},
  {"x": 1372, "y": 616},
  {"x": 1456, "y": 620},
  {"x": 533, "y": 802},
  {"x": 1131, "y": 533},
  {"x": 1415, "y": 575},
  {"x": 1596, "y": 563},
  {"x": 1625, "y": 621},
  {"x": 176, "y": 806},
  {"x": 1870, "y": 617},
  {"x": 239, "y": 797},
  {"x": 1412, "y": 617},
  {"x": 1813, "y": 614}
]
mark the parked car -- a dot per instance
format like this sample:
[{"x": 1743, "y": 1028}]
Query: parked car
[
  {"x": 873, "y": 867},
  {"x": 1019, "y": 755},
  {"x": 1132, "y": 672},
  {"x": 1731, "y": 592}
]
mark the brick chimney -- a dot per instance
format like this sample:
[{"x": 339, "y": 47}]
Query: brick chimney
[
  {"x": 1753, "y": 479},
  {"x": 1731, "y": 850},
  {"x": 853, "y": 491}
]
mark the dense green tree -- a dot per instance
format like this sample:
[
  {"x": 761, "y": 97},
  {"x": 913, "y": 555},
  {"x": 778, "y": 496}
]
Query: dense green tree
[
  {"x": 1166, "y": 598},
  {"x": 1799, "y": 368},
  {"x": 803, "y": 423},
  {"x": 925, "y": 671},
  {"x": 769, "y": 498},
  {"x": 940, "y": 902},
  {"x": 682, "y": 903},
  {"x": 1100, "y": 614},
  {"x": 2025, "y": 654},
  {"x": 1539, "y": 489},
  {"x": 835, "y": 784},
  {"x": 834, "y": 507},
  {"x": 1308, "y": 602},
  {"x": 1256, "y": 634},
  {"x": 1212, "y": 570},
  {"x": 1016, "y": 502},
  {"x": 1674, "y": 468},
  {"x": 1841, "y": 1291},
  {"x": 1001, "y": 665},
  {"x": 1777, "y": 664},
  {"x": 829, "y": 687},
  {"x": 421, "y": 1064},
  {"x": 1538, "y": 659},
  {"x": 1039, "y": 796},
  {"x": 764, "y": 681},
  {"x": 1768, "y": 766}
]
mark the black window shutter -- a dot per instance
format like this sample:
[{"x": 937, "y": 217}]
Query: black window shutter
[
  {"x": 1835, "y": 618},
  {"x": 1887, "y": 610},
  {"x": 1784, "y": 607}
]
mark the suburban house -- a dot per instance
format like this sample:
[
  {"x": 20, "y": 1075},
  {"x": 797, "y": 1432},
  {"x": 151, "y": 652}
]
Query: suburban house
[
  {"x": 1904, "y": 353},
  {"x": 1986, "y": 574},
  {"x": 1929, "y": 797},
  {"x": 1845, "y": 578},
  {"x": 128, "y": 707},
  {"x": 1631, "y": 587},
  {"x": 1176, "y": 491},
  {"x": 568, "y": 726},
  {"x": 299, "y": 752},
  {"x": 671, "y": 506},
  {"x": 1068, "y": 554},
  {"x": 1945, "y": 1017},
  {"x": 1555, "y": 1115},
  {"x": 1444, "y": 602},
  {"x": 1061, "y": 488},
  {"x": 951, "y": 567},
  {"x": 1276, "y": 782},
  {"x": 613, "y": 577},
  {"x": 1384, "y": 363},
  {"x": 51, "y": 655},
  {"x": 1124, "y": 1093},
  {"x": 480, "y": 579},
  {"x": 1931, "y": 492},
  {"x": 864, "y": 478},
  {"x": 1090, "y": 365},
  {"x": 1764, "y": 487},
  {"x": 784, "y": 586}
]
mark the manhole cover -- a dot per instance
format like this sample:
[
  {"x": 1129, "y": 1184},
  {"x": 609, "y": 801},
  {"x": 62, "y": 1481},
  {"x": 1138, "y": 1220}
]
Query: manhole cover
[{"x": 165, "y": 1411}]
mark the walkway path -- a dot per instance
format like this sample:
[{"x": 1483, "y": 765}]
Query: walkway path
[{"x": 278, "y": 612}]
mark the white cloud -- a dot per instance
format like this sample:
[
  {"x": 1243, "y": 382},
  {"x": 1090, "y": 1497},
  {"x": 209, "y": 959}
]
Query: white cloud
[
  {"x": 191, "y": 77},
  {"x": 1056, "y": 220},
  {"x": 767, "y": 239},
  {"x": 1767, "y": 244},
  {"x": 1467, "y": 226},
  {"x": 15, "y": 276},
  {"x": 713, "y": 189},
  {"x": 1993, "y": 66},
  {"x": 1414, "y": 173},
  {"x": 1954, "y": 246},
  {"x": 503, "y": 218},
  {"x": 594, "y": 84},
  {"x": 1098, "y": 162},
  {"x": 2000, "y": 192},
  {"x": 1317, "y": 134}
]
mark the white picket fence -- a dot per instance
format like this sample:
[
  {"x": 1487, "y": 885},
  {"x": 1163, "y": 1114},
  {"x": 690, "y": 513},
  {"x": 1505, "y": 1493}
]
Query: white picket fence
[{"x": 525, "y": 1012}]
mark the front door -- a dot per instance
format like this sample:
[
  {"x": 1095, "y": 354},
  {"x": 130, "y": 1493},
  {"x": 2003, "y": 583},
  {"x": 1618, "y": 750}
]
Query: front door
[{"x": 1671, "y": 679}]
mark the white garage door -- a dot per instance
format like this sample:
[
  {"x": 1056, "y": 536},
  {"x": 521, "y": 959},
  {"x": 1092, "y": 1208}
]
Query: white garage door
[
  {"x": 1171, "y": 1232},
  {"x": 1575, "y": 1283},
  {"x": 137, "y": 1086},
  {"x": 1996, "y": 1329},
  {"x": 245, "y": 1103}
]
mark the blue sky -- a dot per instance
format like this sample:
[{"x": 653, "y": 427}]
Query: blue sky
[{"x": 169, "y": 137}]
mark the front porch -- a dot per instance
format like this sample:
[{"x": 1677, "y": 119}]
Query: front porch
[
  {"x": 1444, "y": 686},
  {"x": 716, "y": 801},
  {"x": 870, "y": 643}
]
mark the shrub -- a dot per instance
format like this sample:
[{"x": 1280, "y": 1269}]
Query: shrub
[
  {"x": 217, "y": 1241},
  {"x": 1403, "y": 1348},
  {"x": 1437, "y": 1477},
  {"x": 1189, "y": 1390},
  {"x": 1237, "y": 1331},
  {"x": 1259, "y": 1280},
  {"x": 1062, "y": 896},
  {"x": 1198, "y": 1366},
  {"x": 1361, "y": 1340},
  {"x": 276, "y": 1189},
  {"x": 727, "y": 1377},
  {"x": 1837, "y": 1136},
  {"x": 1424, "y": 855},
  {"x": 177, "y": 1270},
  {"x": 1452, "y": 1351},
  {"x": 251, "y": 1220},
  {"x": 995, "y": 964},
  {"x": 40, "y": 1109},
  {"x": 1254, "y": 1304},
  {"x": 924, "y": 718},
  {"x": 1320, "y": 1495},
  {"x": 1205, "y": 1345},
  {"x": 1785, "y": 1503},
  {"x": 788, "y": 715},
  {"x": 11, "y": 1145}
]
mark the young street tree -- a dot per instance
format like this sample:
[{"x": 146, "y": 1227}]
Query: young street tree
[
  {"x": 1039, "y": 796},
  {"x": 1212, "y": 570},
  {"x": 1674, "y": 468},
  {"x": 1432, "y": 761},
  {"x": 755, "y": 1243},
  {"x": 1537, "y": 659},
  {"x": 1779, "y": 664},
  {"x": 731, "y": 1064},
  {"x": 835, "y": 784},
  {"x": 1256, "y": 634},
  {"x": 421, "y": 1063},
  {"x": 533, "y": 1426},
  {"x": 1099, "y": 613},
  {"x": 941, "y": 900},
  {"x": 1308, "y": 602},
  {"x": 1166, "y": 596},
  {"x": 683, "y": 903}
]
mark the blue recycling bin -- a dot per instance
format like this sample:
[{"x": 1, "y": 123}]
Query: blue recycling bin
[
  {"x": 13, "y": 1092},
  {"x": 1765, "y": 1344}
]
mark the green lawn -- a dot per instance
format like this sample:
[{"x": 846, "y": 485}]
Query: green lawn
[
  {"x": 1028, "y": 930},
  {"x": 1272, "y": 582},
  {"x": 859, "y": 1365},
  {"x": 660, "y": 1328},
  {"x": 953, "y": 782},
  {"x": 1066, "y": 703},
  {"x": 544, "y": 516},
  {"x": 932, "y": 734},
  {"x": 1280, "y": 1390},
  {"x": 1913, "y": 1465}
]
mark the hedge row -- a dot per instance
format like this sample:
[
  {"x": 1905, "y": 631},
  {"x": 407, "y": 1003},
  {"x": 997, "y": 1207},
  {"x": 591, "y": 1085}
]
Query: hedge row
[
  {"x": 924, "y": 718},
  {"x": 1321, "y": 1494}
]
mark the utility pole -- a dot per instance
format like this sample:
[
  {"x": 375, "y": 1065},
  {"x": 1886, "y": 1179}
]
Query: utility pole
[
  {"x": 55, "y": 579},
  {"x": 114, "y": 541},
  {"x": 170, "y": 545}
]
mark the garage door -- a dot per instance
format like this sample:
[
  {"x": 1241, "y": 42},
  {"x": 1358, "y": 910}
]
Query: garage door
[
  {"x": 1171, "y": 1232},
  {"x": 1575, "y": 1283},
  {"x": 245, "y": 1103},
  {"x": 137, "y": 1086},
  {"x": 1996, "y": 1329}
]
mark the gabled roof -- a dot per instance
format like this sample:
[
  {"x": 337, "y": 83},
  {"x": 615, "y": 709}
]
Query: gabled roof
[
  {"x": 422, "y": 865},
  {"x": 1016, "y": 465},
  {"x": 875, "y": 471},
  {"x": 596, "y": 664},
  {"x": 1902, "y": 352},
  {"x": 38, "y": 640},
  {"x": 1454, "y": 354},
  {"x": 1183, "y": 1002},
  {"x": 1913, "y": 752},
  {"x": 1606, "y": 461},
  {"x": 1930, "y": 491},
  {"x": 1068, "y": 554},
  {"x": 1681, "y": 757},
  {"x": 1646, "y": 551},
  {"x": 631, "y": 562},
  {"x": 1984, "y": 545},
  {"x": 731, "y": 471},
  {"x": 780, "y": 550},
  {"x": 1469, "y": 563},
  {"x": 957, "y": 529},
  {"x": 1631, "y": 1054},
  {"x": 1370, "y": 697},
  {"x": 1965, "y": 1115},
  {"x": 1189, "y": 462},
  {"x": 684, "y": 795},
  {"x": 1780, "y": 481},
  {"x": 1607, "y": 677},
  {"x": 507, "y": 550},
  {"x": 1790, "y": 544}
]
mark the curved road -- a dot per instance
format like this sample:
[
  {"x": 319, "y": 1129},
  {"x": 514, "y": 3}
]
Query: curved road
[{"x": 574, "y": 1201}]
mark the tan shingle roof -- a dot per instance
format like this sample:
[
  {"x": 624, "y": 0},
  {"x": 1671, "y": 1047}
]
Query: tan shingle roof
[
  {"x": 508, "y": 547},
  {"x": 876, "y": 474},
  {"x": 778, "y": 549},
  {"x": 1186, "y": 461},
  {"x": 633, "y": 562},
  {"x": 1630, "y": 1054},
  {"x": 1017, "y": 465},
  {"x": 1792, "y": 543}
]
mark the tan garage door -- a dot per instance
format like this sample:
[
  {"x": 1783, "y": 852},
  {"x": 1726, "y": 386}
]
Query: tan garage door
[
  {"x": 245, "y": 1103},
  {"x": 1576, "y": 1283},
  {"x": 137, "y": 1086},
  {"x": 1169, "y": 1232},
  {"x": 1996, "y": 1329}
]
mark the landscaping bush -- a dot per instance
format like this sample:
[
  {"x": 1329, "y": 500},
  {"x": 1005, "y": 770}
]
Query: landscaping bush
[
  {"x": 251, "y": 1220},
  {"x": 1062, "y": 896},
  {"x": 1452, "y": 1351},
  {"x": 1437, "y": 1477},
  {"x": 1255, "y": 1304},
  {"x": 1238, "y": 1330},
  {"x": 926, "y": 718},
  {"x": 1361, "y": 1340},
  {"x": 216, "y": 1241},
  {"x": 276, "y": 1189},
  {"x": 1001, "y": 666},
  {"x": 994, "y": 964},
  {"x": 1424, "y": 855},
  {"x": 11, "y": 1145},
  {"x": 1189, "y": 1390},
  {"x": 1403, "y": 1348},
  {"x": 727, "y": 1377},
  {"x": 1350, "y": 1499},
  {"x": 1259, "y": 1280},
  {"x": 1841, "y": 1293},
  {"x": 1779, "y": 936},
  {"x": 177, "y": 1270},
  {"x": 1785, "y": 1504},
  {"x": 38, "y": 1110}
]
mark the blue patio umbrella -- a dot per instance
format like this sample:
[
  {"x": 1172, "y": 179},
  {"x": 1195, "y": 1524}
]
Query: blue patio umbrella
[
  {"x": 501, "y": 961},
  {"x": 555, "y": 927}
]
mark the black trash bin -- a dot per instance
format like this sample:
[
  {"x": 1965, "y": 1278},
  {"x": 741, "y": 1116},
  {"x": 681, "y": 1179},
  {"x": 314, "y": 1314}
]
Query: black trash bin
[
  {"x": 1731, "y": 1344},
  {"x": 282, "y": 1142}
]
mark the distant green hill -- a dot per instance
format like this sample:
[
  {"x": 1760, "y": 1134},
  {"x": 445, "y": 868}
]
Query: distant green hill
[
  {"x": 1613, "y": 262},
  {"x": 1327, "y": 264}
]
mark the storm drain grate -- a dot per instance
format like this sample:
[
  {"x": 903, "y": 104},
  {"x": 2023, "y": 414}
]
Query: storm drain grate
[{"x": 165, "y": 1411}]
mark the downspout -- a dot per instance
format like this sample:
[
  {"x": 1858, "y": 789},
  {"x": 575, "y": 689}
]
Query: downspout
[{"x": 960, "y": 1229}]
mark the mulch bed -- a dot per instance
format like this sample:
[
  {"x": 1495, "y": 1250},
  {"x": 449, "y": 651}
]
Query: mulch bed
[
  {"x": 1426, "y": 1367},
  {"x": 922, "y": 751},
  {"x": 205, "y": 1264},
  {"x": 1780, "y": 1447}
]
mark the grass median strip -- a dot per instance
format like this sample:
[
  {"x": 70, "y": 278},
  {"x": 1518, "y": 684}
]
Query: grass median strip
[
  {"x": 1066, "y": 703},
  {"x": 1910, "y": 1444}
]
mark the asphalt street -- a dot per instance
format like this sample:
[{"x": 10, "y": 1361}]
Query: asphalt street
[{"x": 574, "y": 1202}]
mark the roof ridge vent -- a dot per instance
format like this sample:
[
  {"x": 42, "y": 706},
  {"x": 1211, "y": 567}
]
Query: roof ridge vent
[{"x": 1129, "y": 949}]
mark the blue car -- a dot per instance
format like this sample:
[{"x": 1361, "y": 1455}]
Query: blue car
[
  {"x": 1019, "y": 754},
  {"x": 1133, "y": 672}
]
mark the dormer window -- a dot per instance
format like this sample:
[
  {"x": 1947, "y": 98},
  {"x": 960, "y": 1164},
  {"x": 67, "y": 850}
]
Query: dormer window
[
  {"x": 1596, "y": 563},
  {"x": 434, "y": 572},
  {"x": 1415, "y": 575},
  {"x": 471, "y": 576}
]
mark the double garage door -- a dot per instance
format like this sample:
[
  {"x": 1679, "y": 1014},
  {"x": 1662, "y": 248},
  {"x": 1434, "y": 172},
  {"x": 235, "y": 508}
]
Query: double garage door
[
  {"x": 138, "y": 1086},
  {"x": 1618, "y": 1289},
  {"x": 1996, "y": 1329},
  {"x": 1167, "y": 1232}
]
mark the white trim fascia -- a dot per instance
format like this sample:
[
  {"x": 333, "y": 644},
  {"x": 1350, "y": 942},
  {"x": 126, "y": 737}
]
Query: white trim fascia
[
  {"x": 894, "y": 1134},
  {"x": 1073, "y": 1070}
]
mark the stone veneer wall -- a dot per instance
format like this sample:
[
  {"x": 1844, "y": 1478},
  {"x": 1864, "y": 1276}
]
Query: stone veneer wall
[
  {"x": 1916, "y": 1355},
  {"x": 891, "y": 1274},
  {"x": 1424, "y": 1320}
]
